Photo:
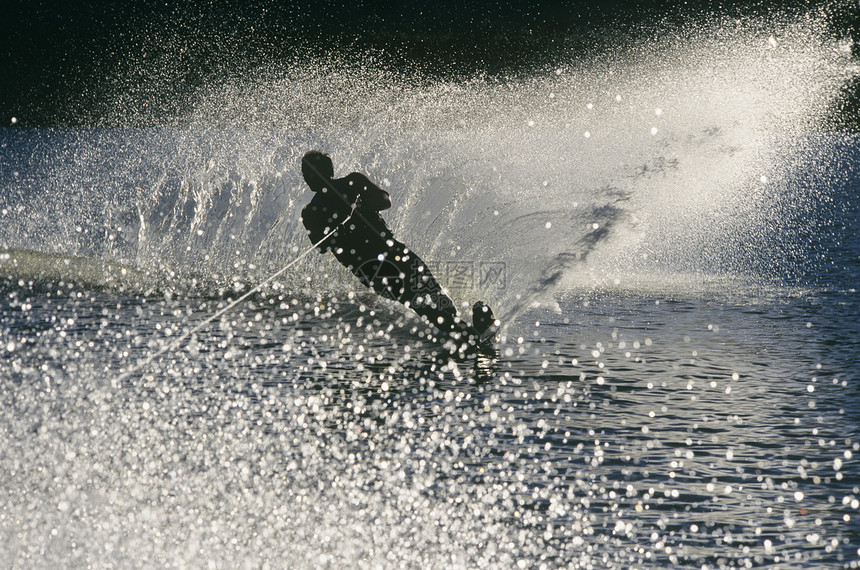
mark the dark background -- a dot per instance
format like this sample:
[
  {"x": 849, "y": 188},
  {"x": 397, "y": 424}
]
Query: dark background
[{"x": 63, "y": 63}]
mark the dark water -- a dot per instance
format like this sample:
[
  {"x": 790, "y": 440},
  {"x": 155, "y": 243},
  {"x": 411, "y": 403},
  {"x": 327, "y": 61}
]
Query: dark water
[{"x": 675, "y": 260}]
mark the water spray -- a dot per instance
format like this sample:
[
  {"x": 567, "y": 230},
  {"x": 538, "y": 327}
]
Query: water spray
[{"x": 178, "y": 342}]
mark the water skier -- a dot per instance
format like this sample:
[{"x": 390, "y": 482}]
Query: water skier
[{"x": 365, "y": 245}]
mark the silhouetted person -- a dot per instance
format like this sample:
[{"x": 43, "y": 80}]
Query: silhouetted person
[{"x": 366, "y": 246}]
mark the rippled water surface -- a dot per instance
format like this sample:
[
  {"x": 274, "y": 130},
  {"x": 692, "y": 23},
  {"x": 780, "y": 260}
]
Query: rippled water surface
[
  {"x": 622, "y": 430},
  {"x": 670, "y": 239}
]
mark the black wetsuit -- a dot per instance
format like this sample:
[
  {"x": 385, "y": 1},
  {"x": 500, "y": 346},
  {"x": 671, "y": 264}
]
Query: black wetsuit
[{"x": 366, "y": 246}]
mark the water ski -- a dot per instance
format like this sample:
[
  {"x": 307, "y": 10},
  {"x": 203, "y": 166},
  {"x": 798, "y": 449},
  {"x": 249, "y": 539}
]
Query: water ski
[{"x": 479, "y": 339}]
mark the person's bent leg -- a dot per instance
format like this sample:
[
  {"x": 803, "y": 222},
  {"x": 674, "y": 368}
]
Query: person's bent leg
[
  {"x": 400, "y": 275},
  {"x": 423, "y": 294}
]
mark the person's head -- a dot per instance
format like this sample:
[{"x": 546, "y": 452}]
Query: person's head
[{"x": 317, "y": 169}]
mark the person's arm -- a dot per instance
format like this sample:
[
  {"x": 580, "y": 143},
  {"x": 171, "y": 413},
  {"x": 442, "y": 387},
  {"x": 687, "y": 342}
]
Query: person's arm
[{"x": 370, "y": 195}]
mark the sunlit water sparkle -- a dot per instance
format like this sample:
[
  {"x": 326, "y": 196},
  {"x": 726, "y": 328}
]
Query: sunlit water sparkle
[{"x": 676, "y": 381}]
